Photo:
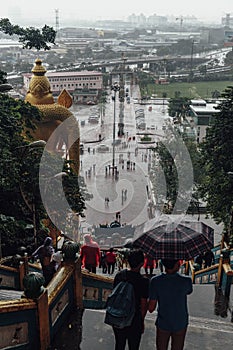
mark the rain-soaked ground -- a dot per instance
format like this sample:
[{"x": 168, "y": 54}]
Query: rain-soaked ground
[{"x": 87, "y": 331}]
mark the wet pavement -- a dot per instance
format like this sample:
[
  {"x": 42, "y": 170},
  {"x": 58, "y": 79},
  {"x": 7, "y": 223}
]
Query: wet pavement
[
  {"x": 96, "y": 166},
  {"x": 206, "y": 331}
]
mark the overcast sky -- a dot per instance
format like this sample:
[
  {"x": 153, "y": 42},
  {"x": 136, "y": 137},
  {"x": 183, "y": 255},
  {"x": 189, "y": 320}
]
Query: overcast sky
[{"x": 204, "y": 10}]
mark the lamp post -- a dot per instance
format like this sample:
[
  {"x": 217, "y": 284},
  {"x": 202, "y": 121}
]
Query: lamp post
[
  {"x": 114, "y": 88},
  {"x": 191, "y": 61}
]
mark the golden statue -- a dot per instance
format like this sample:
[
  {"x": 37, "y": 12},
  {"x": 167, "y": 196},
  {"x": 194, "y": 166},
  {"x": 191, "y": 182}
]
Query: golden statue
[{"x": 54, "y": 114}]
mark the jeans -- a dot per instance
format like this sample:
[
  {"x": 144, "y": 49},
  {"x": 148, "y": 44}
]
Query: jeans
[
  {"x": 133, "y": 334},
  {"x": 177, "y": 339}
]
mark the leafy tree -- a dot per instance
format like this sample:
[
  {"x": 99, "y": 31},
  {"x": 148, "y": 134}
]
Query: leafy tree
[
  {"x": 14, "y": 116},
  {"x": 217, "y": 163},
  {"x": 164, "y": 174},
  {"x": 229, "y": 58},
  {"x": 30, "y": 37},
  {"x": 3, "y": 76},
  {"x": 21, "y": 208},
  {"x": 178, "y": 107}
]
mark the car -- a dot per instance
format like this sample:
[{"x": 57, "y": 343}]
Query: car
[
  {"x": 117, "y": 142},
  {"x": 93, "y": 119},
  {"x": 152, "y": 127},
  {"x": 102, "y": 148}
]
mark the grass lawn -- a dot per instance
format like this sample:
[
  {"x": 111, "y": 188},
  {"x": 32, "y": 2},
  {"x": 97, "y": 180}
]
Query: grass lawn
[{"x": 190, "y": 90}]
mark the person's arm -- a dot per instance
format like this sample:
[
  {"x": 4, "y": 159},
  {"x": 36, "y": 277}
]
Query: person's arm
[{"x": 152, "y": 305}]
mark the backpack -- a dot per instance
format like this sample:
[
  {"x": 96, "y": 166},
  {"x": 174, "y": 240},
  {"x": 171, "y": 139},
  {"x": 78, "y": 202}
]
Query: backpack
[{"x": 120, "y": 305}]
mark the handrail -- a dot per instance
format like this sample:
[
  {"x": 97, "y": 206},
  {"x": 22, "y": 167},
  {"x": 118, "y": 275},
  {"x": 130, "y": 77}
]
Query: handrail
[{"x": 227, "y": 269}]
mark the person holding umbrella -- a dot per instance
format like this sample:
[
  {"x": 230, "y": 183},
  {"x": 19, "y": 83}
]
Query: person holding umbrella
[{"x": 169, "y": 291}]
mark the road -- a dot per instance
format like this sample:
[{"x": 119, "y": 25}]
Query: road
[
  {"x": 206, "y": 331},
  {"x": 134, "y": 209}
]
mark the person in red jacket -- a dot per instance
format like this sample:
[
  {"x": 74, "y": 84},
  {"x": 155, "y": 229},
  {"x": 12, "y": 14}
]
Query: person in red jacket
[
  {"x": 149, "y": 263},
  {"x": 90, "y": 254},
  {"x": 111, "y": 261}
]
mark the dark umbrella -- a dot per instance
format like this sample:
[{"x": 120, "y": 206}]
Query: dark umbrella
[{"x": 173, "y": 237}]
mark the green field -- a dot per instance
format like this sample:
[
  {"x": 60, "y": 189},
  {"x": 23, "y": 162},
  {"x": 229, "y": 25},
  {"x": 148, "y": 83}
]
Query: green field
[{"x": 190, "y": 90}]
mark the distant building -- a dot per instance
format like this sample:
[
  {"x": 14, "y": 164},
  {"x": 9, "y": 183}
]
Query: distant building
[
  {"x": 202, "y": 114},
  {"x": 212, "y": 36},
  {"x": 84, "y": 86},
  {"x": 228, "y": 40},
  {"x": 227, "y": 21}
]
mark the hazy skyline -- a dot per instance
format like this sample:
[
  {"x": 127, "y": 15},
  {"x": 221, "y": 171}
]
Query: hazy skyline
[{"x": 25, "y": 10}]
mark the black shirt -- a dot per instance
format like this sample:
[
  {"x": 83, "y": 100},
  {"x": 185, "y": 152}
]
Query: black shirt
[{"x": 139, "y": 282}]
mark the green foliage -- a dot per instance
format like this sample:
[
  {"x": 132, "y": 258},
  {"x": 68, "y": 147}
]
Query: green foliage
[
  {"x": 14, "y": 234},
  {"x": 3, "y": 76},
  {"x": 178, "y": 107},
  {"x": 169, "y": 166},
  {"x": 217, "y": 162},
  {"x": 30, "y": 37},
  {"x": 182, "y": 47},
  {"x": 19, "y": 173},
  {"x": 167, "y": 169},
  {"x": 145, "y": 138},
  {"x": 229, "y": 57},
  {"x": 14, "y": 116}
]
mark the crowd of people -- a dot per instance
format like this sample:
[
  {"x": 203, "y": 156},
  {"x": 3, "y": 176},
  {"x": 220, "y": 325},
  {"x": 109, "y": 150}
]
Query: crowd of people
[{"x": 165, "y": 291}]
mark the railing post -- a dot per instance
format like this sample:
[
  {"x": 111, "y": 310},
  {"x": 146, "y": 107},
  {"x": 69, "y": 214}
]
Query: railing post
[
  {"x": 23, "y": 270},
  {"x": 78, "y": 284},
  {"x": 22, "y": 273},
  {"x": 43, "y": 320},
  {"x": 220, "y": 266}
]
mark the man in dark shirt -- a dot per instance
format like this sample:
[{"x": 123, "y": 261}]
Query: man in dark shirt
[
  {"x": 133, "y": 333},
  {"x": 170, "y": 291}
]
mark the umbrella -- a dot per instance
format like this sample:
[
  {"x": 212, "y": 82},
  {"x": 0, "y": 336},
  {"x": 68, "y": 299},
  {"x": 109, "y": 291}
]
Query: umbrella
[{"x": 173, "y": 237}]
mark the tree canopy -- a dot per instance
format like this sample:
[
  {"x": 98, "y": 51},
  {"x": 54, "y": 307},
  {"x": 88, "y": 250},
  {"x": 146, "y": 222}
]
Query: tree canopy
[
  {"x": 30, "y": 37},
  {"x": 217, "y": 162},
  {"x": 19, "y": 174}
]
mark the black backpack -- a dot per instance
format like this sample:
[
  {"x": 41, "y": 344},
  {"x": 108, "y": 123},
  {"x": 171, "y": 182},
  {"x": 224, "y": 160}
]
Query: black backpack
[{"x": 120, "y": 305}]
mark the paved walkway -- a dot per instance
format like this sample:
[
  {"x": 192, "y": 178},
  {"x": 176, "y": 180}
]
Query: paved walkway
[
  {"x": 206, "y": 331},
  {"x": 134, "y": 208},
  {"x": 101, "y": 183}
]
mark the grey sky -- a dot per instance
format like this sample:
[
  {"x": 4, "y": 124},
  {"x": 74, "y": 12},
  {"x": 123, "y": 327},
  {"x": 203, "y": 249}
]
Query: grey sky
[{"x": 207, "y": 10}]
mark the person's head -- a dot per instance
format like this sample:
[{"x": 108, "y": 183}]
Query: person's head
[
  {"x": 136, "y": 258},
  {"x": 171, "y": 265},
  {"x": 87, "y": 238},
  {"x": 111, "y": 250}
]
